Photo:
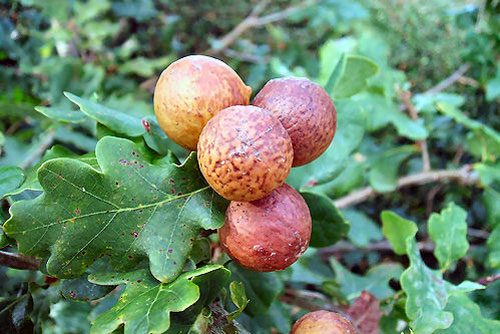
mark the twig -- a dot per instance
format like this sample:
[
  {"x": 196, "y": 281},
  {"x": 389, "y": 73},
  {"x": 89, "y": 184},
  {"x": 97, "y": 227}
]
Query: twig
[
  {"x": 246, "y": 57},
  {"x": 18, "y": 261},
  {"x": 304, "y": 299},
  {"x": 149, "y": 84},
  {"x": 253, "y": 20},
  {"x": 489, "y": 279},
  {"x": 380, "y": 246},
  {"x": 430, "y": 198},
  {"x": 464, "y": 175},
  {"x": 468, "y": 81},
  {"x": 406, "y": 98},
  {"x": 480, "y": 234},
  {"x": 442, "y": 85},
  {"x": 220, "y": 324},
  {"x": 383, "y": 246},
  {"x": 40, "y": 149},
  {"x": 450, "y": 80}
]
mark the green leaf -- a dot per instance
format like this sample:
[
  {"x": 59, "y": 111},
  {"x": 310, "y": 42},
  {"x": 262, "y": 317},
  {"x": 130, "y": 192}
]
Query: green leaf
[
  {"x": 493, "y": 87},
  {"x": 277, "y": 319},
  {"x": 130, "y": 210},
  {"x": 491, "y": 200},
  {"x": 90, "y": 10},
  {"x": 427, "y": 102},
  {"x": 329, "y": 55},
  {"x": 363, "y": 229},
  {"x": 4, "y": 240},
  {"x": 488, "y": 173},
  {"x": 145, "y": 67},
  {"x": 11, "y": 177},
  {"x": 375, "y": 281},
  {"x": 146, "y": 304},
  {"x": 138, "y": 9},
  {"x": 383, "y": 175},
  {"x": 485, "y": 141},
  {"x": 336, "y": 74},
  {"x": 201, "y": 251},
  {"x": 56, "y": 151},
  {"x": 133, "y": 122},
  {"x": 467, "y": 317},
  {"x": 67, "y": 134},
  {"x": 51, "y": 8},
  {"x": 260, "y": 295},
  {"x": 81, "y": 289},
  {"x": 380, "y": 112},
  {"x": 63, "y": 115},
  {"x": 194, "y": 317},
  {"x": 349, "y": 178},
  {"x": 350, "y": 131},
  {"x": 426, "y": 293},
  {"x": 397, "y": 230},
  {"x": 353, "y": 79},
  {"x": 448, "y": 230},
  {"x": 328, "y": 225},
  {"x": 15, "y": 314},
  {"x": 310, "y": 269},
  {"x": 119, "y": 121},
  {"x": 70, "y": 316},
  {"x": 239, "y": 298},
  {"x": 493, "y": 244}
]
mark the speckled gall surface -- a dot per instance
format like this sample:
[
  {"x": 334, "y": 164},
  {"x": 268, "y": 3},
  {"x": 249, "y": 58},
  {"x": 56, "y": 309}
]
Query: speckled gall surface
[
  {"x": 269, "y": 234},
  {"x": 244, "y": 153},
  {"x": 191, "y": 91},
  {"x": 305, "y": 110},
  {"x": 323, "y": 322}
]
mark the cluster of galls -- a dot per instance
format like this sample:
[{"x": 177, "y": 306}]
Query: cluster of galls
[{"x": 245, "y": 152}]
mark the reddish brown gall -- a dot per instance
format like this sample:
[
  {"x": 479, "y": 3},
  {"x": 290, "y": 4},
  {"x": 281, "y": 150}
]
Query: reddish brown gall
[
  {"x": 323, "y": 322},
  {"x": 191, "y": 91},
  {"x": 269, "y": 234},
  {"x": 244, "y": 153},
  {"x": 305, "y": 110}
]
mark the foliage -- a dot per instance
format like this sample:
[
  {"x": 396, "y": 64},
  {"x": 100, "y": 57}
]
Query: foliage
[{"x": 120, "y": 222}]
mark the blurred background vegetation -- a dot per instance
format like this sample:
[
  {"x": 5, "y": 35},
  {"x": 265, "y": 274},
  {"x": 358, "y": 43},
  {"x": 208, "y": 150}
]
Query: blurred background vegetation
[{"x": 112, "y": 51}]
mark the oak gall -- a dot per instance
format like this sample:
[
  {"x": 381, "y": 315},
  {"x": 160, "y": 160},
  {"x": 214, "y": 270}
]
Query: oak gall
[
  {"x": 305, "y": 110},
  {"x": 269, "y": 234},
  {"x": 244, "y": 153},
  {"x": 323, "y": 322},
  {"x": 190, "y": 91}
]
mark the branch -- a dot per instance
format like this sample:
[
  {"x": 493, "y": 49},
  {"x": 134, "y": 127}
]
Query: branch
[
  {"x": 305, "y": 300},
  {"x": 380, "y": 246},
  {"x": 252, "y": 21},
  {"x": 384, "y": 246},
  {"x": 464, "y": 175},
  {"x": 220, "y": 323},
  {"x": 456, "y": 76},
  {"x": 489, "y": 279},
  {"x": 42, "y": 146},
  {"x": 406, "y": 98},
  {"x": 245, "y": 56},
  {"x": 18, "y": 261}
]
